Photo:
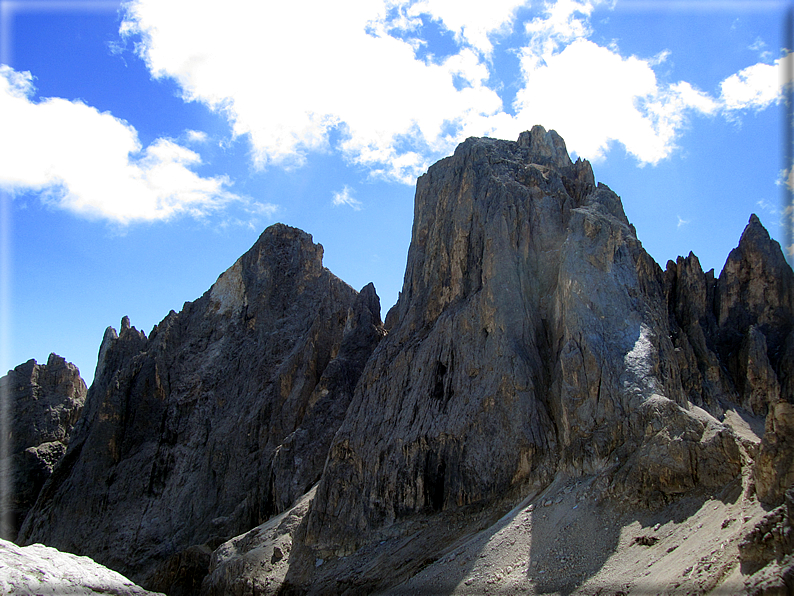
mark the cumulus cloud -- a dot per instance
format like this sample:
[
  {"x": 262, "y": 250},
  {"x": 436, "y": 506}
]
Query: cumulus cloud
[
  {"x": 564, "y": 21},
  {"x": 93, "y": 164},
  {"x": 301, "y": 77},
  {"x": 289, "y": 74},
  {"x": 344, "y": 197},
  {"x": 593, "y": 96},
  {"x": 472, "y": 23},
  {"x": 757, "y": 86}
]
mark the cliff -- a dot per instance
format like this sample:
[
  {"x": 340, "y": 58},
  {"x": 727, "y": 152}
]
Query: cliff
[{"x": 188, "y": 435}]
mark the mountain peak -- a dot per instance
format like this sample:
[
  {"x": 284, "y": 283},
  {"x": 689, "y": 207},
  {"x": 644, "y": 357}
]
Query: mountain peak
[{"x": 545, "y": 146}]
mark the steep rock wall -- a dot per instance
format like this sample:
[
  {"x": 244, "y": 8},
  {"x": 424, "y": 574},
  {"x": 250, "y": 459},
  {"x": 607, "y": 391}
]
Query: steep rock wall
[
  {"x": 531, "y": 337},
  {"x": 535, "y": 343},
  {"x": 182, "y": 429}
]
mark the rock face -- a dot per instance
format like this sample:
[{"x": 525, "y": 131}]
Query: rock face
[
  {"x": 45, "y": 401},
  {"x": 188, "y": 432},
  {"x": 734, "y": 334},
  {"x": 39, "y": 570},
  {"x": 734, "y": 340},
  {"x": 531, "y": 338}
]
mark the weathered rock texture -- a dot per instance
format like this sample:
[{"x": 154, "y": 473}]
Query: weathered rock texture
[
  {"x": 767, "y": 551},
  {"x": 256, "y": 562},
  {"x": 45, "y": 401},
  {"x": 734, "y": 334},
  {"x": 189, "y": 435},
  {"x": 39, "y": 570},
  {"x": 734, "y": 340},
  {"x": 532, "y": 337}
]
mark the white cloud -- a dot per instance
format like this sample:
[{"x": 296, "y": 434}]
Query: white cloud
[
  {"x": 767, "y": 207},
  {"x": 565, "y": 21},
  {"x": 471, "y": 22},
  {"x": 660, "y": 58},
  {"x": 302, "y": 76},
  {"x": 287, "y": 74},
  {"x": 787, "y": 179},
  {"x": 92, "y": 163},
  {"x": 196, "y": 136},
  {"x": 757, "y": 86},
  {"x": 593, "y": 96},
  {"x": 759, "y": 45},
  {"x": 344, "y": 197}
]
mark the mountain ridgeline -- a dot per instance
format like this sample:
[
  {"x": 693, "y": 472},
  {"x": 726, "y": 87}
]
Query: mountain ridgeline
[{"x": 275, "y": 436}]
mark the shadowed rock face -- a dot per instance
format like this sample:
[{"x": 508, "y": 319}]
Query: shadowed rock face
[
  {"x": 186, "y": 434},
  {"x": 734, "y": 340},
  {"x": 45, "y": 401},
  {"x": 733, "y": 335}
]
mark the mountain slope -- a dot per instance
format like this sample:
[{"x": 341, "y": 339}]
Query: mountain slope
[{"x": 185, "y": 435}]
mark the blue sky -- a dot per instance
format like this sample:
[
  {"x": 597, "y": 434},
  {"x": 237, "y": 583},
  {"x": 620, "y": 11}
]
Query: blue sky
[{"x": 145, "y": 145}]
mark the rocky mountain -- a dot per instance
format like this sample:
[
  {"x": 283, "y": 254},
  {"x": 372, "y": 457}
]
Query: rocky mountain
[
  {"x": 540, "y": 383},
  {"x": 218, "y": 419},
  {"x": 44, "y": 403}
]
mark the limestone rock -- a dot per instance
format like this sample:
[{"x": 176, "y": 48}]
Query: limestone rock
[
  {"x": 181, "y": 428},
  {"x": 45, "y": 401},
  {"x": 690, "y": 297},
  {"x": 731, "y": 334},
  {"x": 299, "y": 460},
  {"x": 182, "y": 573},
  {"x": 774, "y": 467},
  {"x": 534, "y": 344},
  {"x": 735, "y": 344},
  {"x": 766, "y": 552},
  {"x": 681, "y": 450},
  {"x": 756, "y": 287},
  {"x": 531, "y": 338},
  {"x": 256, "y": 562},
  {"x": 38, "y": 570},
  {"x": 755, "y": 301}
]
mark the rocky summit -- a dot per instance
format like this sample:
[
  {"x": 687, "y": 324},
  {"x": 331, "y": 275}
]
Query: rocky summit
[
  {"x": 209, "y": 425},
  {"x": 544, "y": 410},
  {"x": 44, "y": 403}
]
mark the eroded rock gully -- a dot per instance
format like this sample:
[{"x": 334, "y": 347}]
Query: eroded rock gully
[{"x": 536, "y": 357}]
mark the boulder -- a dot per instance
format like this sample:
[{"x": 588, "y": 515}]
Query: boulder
[{"x": 39, "y": 570}]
